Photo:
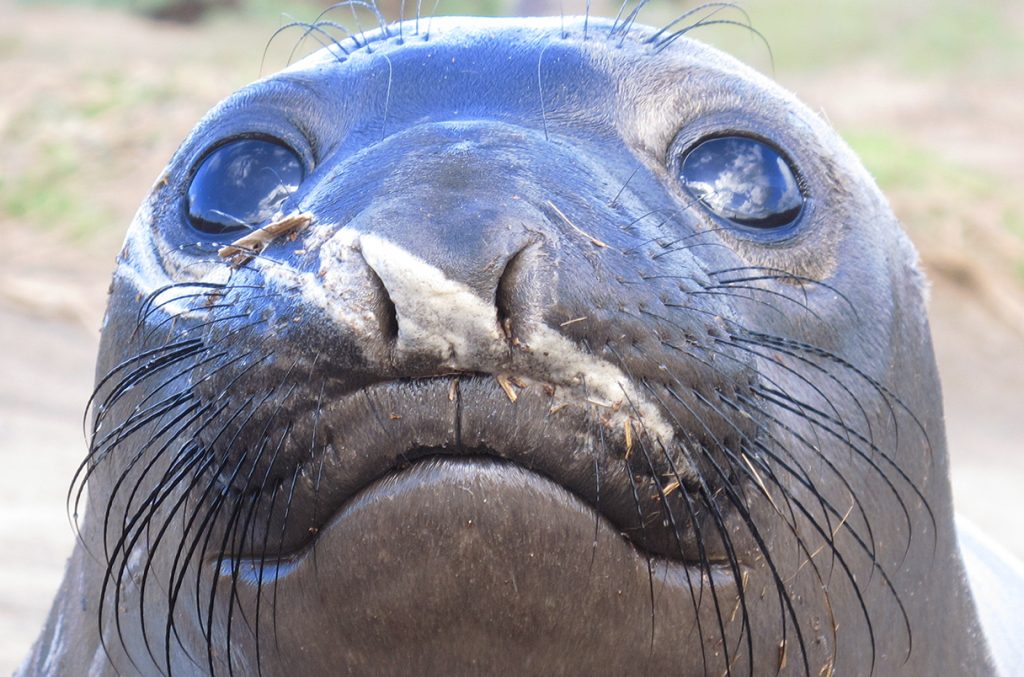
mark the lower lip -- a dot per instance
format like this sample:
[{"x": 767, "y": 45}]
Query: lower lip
[{"x": 453, "y": 548}]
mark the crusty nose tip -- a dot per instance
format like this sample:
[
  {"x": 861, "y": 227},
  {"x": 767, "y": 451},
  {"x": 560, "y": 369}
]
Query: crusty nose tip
[
  {"x": 434, "y": 314},
  {"x": 511, "y": 297}
]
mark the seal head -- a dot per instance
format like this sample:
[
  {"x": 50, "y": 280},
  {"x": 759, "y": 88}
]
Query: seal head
[{"x": 562, "y": 347}]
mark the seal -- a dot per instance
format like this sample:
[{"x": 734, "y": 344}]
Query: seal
[{"x": 534, "y": 346}]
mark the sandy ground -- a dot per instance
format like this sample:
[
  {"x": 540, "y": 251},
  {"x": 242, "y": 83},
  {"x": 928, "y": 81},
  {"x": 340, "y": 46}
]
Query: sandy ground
[{"x": 52, "y": 292}]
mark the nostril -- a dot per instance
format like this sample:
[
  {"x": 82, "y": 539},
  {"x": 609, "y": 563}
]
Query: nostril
[
  {"x": 384, "y": 307},
  {"x": 509, "y": 294}
]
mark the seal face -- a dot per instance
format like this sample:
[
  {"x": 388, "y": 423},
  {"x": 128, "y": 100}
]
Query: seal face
[{"x": 530, "y": 345}]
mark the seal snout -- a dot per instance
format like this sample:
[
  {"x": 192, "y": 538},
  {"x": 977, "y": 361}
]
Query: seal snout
[{"x": 465, "y": 315}]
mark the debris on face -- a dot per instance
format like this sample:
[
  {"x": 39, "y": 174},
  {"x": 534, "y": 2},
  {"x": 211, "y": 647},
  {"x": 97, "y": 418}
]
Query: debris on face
[
  {"x": 628, "y": 432},
  {"x": 212, "y": 298},
  {"x": 244, "y": 248},
  {"x": 506, "y": 383},
  {"x": 593, "y": 240},
  {"x": 761, "y": 485}
]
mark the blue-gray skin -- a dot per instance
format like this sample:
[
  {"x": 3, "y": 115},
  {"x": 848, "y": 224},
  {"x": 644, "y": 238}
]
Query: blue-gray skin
[{"x": 508, "y": 393}]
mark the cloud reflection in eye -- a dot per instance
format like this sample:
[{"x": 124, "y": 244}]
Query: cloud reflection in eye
[
  {"x": 742, "y": 180},
  {"x": 242, "y": 184}
]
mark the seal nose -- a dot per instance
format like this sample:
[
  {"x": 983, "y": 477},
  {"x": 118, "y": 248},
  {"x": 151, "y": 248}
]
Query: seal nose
[
  {"x": 452, "y": 248},
  {"x": 462, "y": 316},
  {"x": 452, "y": 291}
]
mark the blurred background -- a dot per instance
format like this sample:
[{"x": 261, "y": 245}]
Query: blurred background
[{"x": 95, "y": 96}]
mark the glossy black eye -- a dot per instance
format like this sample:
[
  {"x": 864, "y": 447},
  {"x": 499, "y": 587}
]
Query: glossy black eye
[
  {"x": 742, "y": 180},
  {"x": 241, "y": 185}
]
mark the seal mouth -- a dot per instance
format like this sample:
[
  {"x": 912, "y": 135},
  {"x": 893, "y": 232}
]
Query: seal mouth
[
  {"x": 426, "y": 472},
  {"x": 374, "y": 435}
]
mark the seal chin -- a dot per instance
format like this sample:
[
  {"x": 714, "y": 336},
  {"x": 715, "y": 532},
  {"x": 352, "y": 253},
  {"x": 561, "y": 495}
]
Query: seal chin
[{"x": 520, "y": 559}]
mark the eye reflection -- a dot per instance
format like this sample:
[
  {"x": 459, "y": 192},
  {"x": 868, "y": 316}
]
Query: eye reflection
[
  {"x": 742, "y": 180},
  {"x": 241, "y": 185}
]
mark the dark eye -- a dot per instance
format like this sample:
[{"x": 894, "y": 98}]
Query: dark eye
[
  {"x": 743, "y": 180},
  {"x": 241, "y": 185}
]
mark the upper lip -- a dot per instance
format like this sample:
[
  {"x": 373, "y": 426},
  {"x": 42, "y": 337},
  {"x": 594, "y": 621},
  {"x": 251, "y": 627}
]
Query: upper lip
[{"x": 360, "y": 437}]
